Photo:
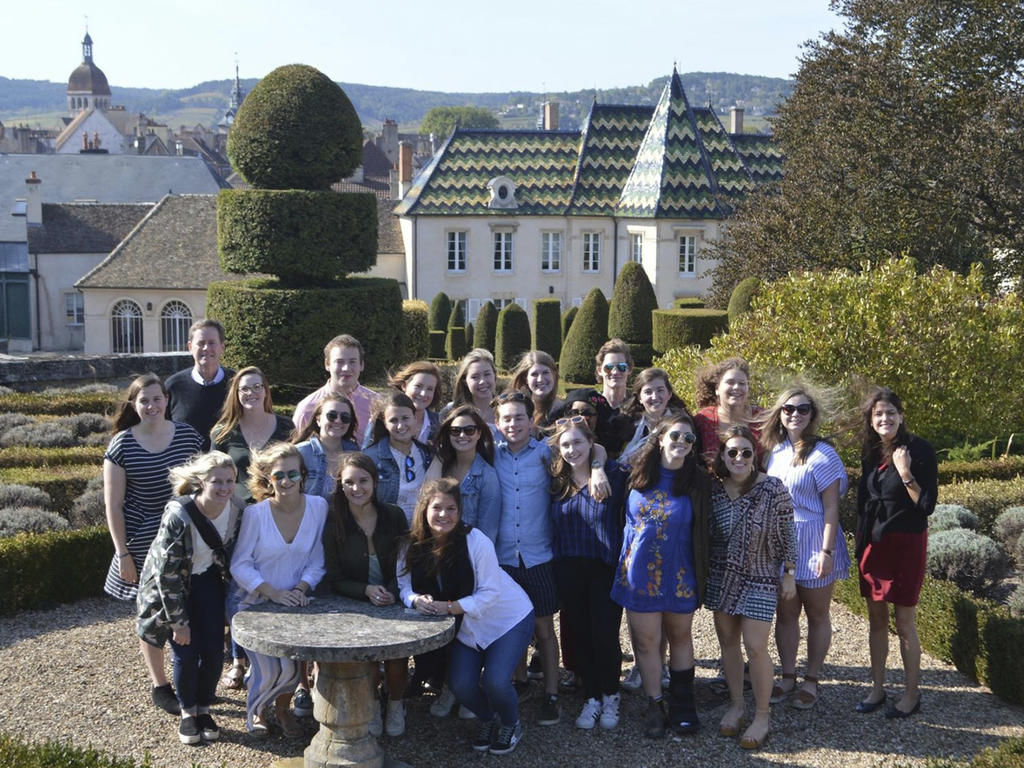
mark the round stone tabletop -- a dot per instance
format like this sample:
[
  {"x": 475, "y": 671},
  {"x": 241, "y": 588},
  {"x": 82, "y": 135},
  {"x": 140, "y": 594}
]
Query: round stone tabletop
[{"x": 339, "y": 629}]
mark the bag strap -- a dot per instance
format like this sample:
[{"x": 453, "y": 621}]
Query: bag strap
[{"x": 207, "y": 532}]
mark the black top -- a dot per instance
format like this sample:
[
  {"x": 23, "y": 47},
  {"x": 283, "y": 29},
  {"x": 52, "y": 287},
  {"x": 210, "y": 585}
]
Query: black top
[
  {"x": 883, "y": 504},
  {"x": 347, "y": 561},
  {"x": 194, "y": 404}
]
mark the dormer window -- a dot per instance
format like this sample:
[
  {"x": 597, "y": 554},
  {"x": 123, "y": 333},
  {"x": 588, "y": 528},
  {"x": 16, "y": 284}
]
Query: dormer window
[{"x": 503, "y": 193}]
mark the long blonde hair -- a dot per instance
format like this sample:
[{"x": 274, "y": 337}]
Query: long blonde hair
[
  {"x": 188, "y": 478},
  {"x": 462, "y": 394},
  {"x": 231, "y": 412},
  {"x": 263, "y": 461}
]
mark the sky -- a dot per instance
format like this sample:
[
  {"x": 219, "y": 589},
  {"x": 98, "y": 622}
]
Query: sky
[{"x": 446, "y": 45}]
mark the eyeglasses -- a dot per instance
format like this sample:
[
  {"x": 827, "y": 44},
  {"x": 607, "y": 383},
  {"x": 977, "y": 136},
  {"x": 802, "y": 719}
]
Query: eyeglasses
[
  {"x": 583, "y": 412},
  {"x": 570, "y": 420},
  {"x": 620, "y": 367},
  {"x": 803, "y": 409},
  {"x": 675, "y": 436},
  {"x": 292, "y": 474},
  {"x": 732, "y": 453},
  {"x": 410, "y": 462},
  {"x": 248, "y": 390},
  {"x": 515, "y": 397},
  {"x": 343, "y": 416},
  {"x": 467, "y": 431}
]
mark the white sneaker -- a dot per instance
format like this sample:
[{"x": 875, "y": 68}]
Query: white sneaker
[
  {"x": 589, "y": 714},
  {"x": 394, "y": 724},
  {"x": 632, "y": 681},
  {"x": 376, "y": 723},
  {"x": 666, "y": 678},
  {"x": 442, "y": 706},
  {"x": 610, "y": 711},
  {"x": 465, "y": 713}
]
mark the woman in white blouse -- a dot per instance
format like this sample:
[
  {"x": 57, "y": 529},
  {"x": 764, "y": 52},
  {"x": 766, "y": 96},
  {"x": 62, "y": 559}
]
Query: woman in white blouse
[
  {"x": 450, "y": 569},
  {"x": 279, "y": 557}
]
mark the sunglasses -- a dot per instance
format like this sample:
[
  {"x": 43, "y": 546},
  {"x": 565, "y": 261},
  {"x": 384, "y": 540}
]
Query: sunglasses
[
  {"x": 732, "y": 453},
  {"x": 248, "y": 390},
  {"x": 803, "y": 409},
  {"x": 675, "y": 436},
  {"x": 467, "y": 431},
  {"x": 292, "y": 474},
  {"x": 410, "y": 462},
  {"x": 582, "y": 412},
  {"x": 515, "y": 397},
  {"x": 343, "y": 416},
  {"x": 620, "y": 367},
  {"x": 570, "y": 420}
]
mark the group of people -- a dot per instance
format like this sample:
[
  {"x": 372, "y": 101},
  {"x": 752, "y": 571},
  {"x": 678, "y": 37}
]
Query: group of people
[{"x": 503, "y": 509}]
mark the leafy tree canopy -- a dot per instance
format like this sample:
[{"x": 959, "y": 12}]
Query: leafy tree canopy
[{"x": 441, "y": 120}]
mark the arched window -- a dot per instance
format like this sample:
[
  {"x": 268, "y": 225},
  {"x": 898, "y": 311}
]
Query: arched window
[
  {"x": 126, "y": 327},
  {"x": 175, "y": 319}
]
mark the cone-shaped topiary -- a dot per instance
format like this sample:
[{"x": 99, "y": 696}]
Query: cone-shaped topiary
[
  {"x": 455, "y": 333},
  {"x": 567, "y": 317},
  {"x": 742, "y": 294},
  {"x": 629, "y": 313},
  {"x": 512, "y": 337},
  {"x": 457, "y": 316},
  {"x": 547, "y": 326},
  {"x": 469, "y": 335},
  {"x": 414, "y": 343},
  {"x": 440, "y": 311},
  {"x": 588, "y": 332},
  {"x": 486, "y": 327},
  {"x": 295, "y": 130}
]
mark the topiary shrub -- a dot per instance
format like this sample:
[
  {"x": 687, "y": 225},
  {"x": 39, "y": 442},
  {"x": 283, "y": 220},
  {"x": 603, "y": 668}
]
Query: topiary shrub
[
  {"x": 512, "y": 337},
  {"x": 438, "y": 339},
  {"x": 414, "y": 338},
  {"x": 455, "y": 343},
  {"x": 440, "y": 311},
  {"x": 688, "y": 302},
  {"x": 629, "y": 312},
  {"x": 948, "y": 517},
  {"x": 457, "y": 317},
  {"x": 469, "y": 335},
  {"x": 295, "y": 130},
  {"x": 1009, "y": 526},
  {"x": 547, "y": 326},
  {"x": 678, "y": 328},
  {"x": 300, "y": 236},
  {"x": 486, "y": 327},
  {"x": 985, "y": 498},
  {"x": 585, "y": 337},
  {"x": 742, "y": 295},
  {"x": 17, "y": 495},
  {"x": 60, "y": 402},
  {"x": 15, "y": 520},
  {"x": 975, "y": 563},
  {"x": 567, "y": 317},
  {"x": 88, "y": 509}
]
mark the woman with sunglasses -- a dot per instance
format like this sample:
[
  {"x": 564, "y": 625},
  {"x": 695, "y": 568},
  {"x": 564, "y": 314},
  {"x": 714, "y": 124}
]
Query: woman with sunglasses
[
  {"x": 815, "y": 477},
  {"x": 752, "y": 541},
  {"x": 663, "y": 566},
  {"x": 279, "y": 557},
  {"x": 537, "y": 373},
  {"x": 247, "y": 423},
  {"x": 400, "y": 458},
  {"x": 652, "y": 395},
  {"x": 723, "y": 401},
  {"x": 330, "y": 433},
  {"x": 476, "y": 384}
]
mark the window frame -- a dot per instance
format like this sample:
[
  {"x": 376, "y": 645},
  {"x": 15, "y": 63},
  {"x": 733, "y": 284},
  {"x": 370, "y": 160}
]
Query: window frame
[
  {"x": 550, "y": 257},
  {"x": 636, "y": 247},
  {"x": 687, "y": 255},
  {"x": 503, "y": 251},
  {"x": 74, "y": 316},
  {"x": 453, "y": 238},
  {"x": 591, "y": 252}
]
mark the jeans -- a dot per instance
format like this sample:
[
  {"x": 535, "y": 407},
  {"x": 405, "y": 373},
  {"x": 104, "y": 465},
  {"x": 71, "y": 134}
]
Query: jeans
[
  {"x": 492, "y": 692},
  {"x": 584, "y": 587},
  {"x": 197, "y": 665}
]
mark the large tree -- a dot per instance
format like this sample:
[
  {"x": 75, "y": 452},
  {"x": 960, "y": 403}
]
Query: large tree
[
  {"x": 441, "y": 120},
  {"x": 903, "y": 135}
]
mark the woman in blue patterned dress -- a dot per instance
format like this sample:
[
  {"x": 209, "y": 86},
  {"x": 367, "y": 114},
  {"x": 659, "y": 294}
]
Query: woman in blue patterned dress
[
  {"x": 815, "y": 477},
  {"x": 752, "y": 538},
  {"x": 663, "y": 566}
]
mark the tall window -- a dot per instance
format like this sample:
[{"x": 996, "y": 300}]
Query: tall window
[
  {"x": 636, "y": 246},
  {"x": 74, "y": 308},
  {"x": 591, "y": 251},
  {"x": 126, "y": 327},
  {"x": 550, "y": 251},
  {"x": 175, "y": 320},
  {"x": 502, "y": 251},
  {"x": 687, "y": 255},
  {"x": 457, "y": 251}
]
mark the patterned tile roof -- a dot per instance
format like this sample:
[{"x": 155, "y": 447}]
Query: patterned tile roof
[{"x": 762, "y": 156}]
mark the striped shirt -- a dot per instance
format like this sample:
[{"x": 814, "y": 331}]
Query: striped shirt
[{"x": 588, "y": 528}]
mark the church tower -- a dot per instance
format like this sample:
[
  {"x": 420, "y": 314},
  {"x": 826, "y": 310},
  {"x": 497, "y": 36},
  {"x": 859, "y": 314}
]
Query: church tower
[{"x": 87, "y": 86}]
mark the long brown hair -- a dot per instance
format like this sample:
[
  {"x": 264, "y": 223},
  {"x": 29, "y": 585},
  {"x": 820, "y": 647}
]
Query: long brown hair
[
  {"x": 542, "y": 406},
  {"x": 443, "y": 444},
  {"x": 773, "y": 432},
  {"x": 393, "y": 400},
  {"x": 342, "y": 513},
  {"x": 646, "y": 462},
  {"x": 462, "y": 394},
  {"x": 873, "y": 450},
  {"x": 126, "y": 416},
  {"x": 634, "y": 409},
  {"x": 301, "y": 435},
  {"x": 231, "y": 411},
  {"x": 562, "y": 484},
  {"x": 400, "y": 379},
  {"x": 744, "y": 432},
  {"x": 261, "y": 463},
  {"x": 424, "y": 548}
]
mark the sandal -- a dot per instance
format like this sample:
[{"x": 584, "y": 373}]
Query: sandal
[
  {"x": 804, "y": 699},
  {"x": 259, "y": 729},
  {"x": 234, "y": 678},
  {"x": 779, "y": 693}
]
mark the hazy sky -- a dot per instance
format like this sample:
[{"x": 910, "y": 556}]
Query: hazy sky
[{"x": 447, "y": 45}]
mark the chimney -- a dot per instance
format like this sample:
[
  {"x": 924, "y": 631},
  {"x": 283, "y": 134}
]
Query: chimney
[
  {"x": 736, "y": 119},
  {"x": 33, "y": 200},
  {"x": 404, "y": 167},
  {"x": 550, "y": 115}
]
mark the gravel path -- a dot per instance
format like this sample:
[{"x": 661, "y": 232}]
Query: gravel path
[{"x": 75, "y": 673}]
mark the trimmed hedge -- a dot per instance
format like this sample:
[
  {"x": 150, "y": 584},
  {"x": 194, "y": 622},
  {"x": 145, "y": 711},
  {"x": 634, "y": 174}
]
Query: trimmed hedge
[
  {"x": 567, "y": 317},
  {"x": 982, "y": 469},
  {"x": 63, "y": 484},
  {"x": 295, "y": 130},
  {"x": 436, "y": 345},
  {"x": 678, "y": 328},
  {"x": 629, "y": 312},
  {"x": 39, "y": 570},
  {"x": 283, "y": 330},
  {"x": 547, "y": 326},
  {"x": 415, "y": 338},
  {"x": 440, "y": 311},
  {"x": 688, "y": 302},
  {"x": 742, "y": 295},
  {"x": 972, "y": 561},
  {"x": 457, "y": 317},
  {"x": 486, "y": 327},
  {"x": 469, "y": 335},
  {"x": 58, "y": 404},
  {"x": 14, "y": 752},
  {"x": 587, "y": 334},
  {"x": 302, "y": 236},
  {"x": 26, "y": 456},
  {"x": 455, "y": 343},
  {"x": 512, "y": 337},
  {"x": 985, "y": 498}
]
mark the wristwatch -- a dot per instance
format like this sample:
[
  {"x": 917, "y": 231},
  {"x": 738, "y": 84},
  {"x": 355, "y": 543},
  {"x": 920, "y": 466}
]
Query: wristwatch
[{"x": 789, "y": 570}]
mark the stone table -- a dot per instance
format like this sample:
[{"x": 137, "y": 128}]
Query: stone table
[{"x": 345, "y": 637}]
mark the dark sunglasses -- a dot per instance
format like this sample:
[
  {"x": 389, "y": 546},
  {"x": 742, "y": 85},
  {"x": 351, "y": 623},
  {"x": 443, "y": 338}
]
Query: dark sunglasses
[
  {"x": 410, "y": 462},
  {"x": 515, "y": 397},
  {"x": 292, "y": 474},
  {"x": 803, "y": 409},
  {"x": 732, "y": 453},
  {"x": 583, "y": 412},
  {"x": 621, "y": 367},
  {"x": 675, "y": 436},
  {"x": 570, "y": 420},
  {"x": 343, "y": 416},
  {"x": 468, "y": 431}
]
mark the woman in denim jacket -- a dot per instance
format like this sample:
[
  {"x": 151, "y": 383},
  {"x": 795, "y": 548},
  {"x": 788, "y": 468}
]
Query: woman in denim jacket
[
  {"x": 330, "y": 433},
  {"x": 400, "y": 458}
]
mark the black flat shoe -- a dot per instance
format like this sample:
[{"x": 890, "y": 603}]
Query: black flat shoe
[
  {"x": 898, "y": 714},
  {"x": 866, "y": 707}
]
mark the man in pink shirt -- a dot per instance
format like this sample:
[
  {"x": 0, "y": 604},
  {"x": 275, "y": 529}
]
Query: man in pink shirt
[{"x": 344, "y": 361}]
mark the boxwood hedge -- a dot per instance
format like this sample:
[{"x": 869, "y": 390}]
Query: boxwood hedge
[{"x": 677, "y": 328}]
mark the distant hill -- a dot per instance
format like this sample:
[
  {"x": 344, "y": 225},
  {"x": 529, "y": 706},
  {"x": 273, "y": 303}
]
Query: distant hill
[{"x": 39, "y": 100}]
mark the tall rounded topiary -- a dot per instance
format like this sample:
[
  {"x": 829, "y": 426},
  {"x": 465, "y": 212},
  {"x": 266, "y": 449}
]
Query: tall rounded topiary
[
  {"x": 629, "y": 313},
  {"x": 469, "y": 335},
  {"x": 512, "y": 337},
  {"x": 588, "y": 332},
  {"x": 486, "y": 327},
  {"x": 567, "y": 317},
  {"x": 455, "y": 333},
  {"x": 415, "y": 334},
  {"x": 547, "y": 326},
  {"x": 742, "y": 294},
  {"x": 440, "y": 311}
]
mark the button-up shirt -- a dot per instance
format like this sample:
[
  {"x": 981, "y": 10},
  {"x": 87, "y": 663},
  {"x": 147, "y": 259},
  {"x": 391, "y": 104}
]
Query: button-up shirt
[{"x": 524, "y": 528}]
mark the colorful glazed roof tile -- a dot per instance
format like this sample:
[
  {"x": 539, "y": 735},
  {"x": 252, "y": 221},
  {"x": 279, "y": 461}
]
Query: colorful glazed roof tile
[{"x": 673, "y": 161}]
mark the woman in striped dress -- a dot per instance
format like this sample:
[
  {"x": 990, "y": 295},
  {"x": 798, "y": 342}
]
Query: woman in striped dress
[
  {"x": 135, "y": 489},
  {"x": 815, "y": 477}
]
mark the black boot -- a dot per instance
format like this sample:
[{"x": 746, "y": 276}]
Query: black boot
[
  {"x": 654, "y": 719},
  {"x": 682, "y": 712}
]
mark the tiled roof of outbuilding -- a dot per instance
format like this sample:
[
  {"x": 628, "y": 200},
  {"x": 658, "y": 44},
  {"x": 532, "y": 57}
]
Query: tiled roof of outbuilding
[{"x": 84, "y": 227}]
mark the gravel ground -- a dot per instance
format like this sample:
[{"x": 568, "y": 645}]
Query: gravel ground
[{"x": 74, "y": 673}]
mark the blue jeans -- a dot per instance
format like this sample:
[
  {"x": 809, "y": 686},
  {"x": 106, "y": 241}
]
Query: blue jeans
[
  {"x": 492, "y": 692},
  {"x": 198, "y": 664}
]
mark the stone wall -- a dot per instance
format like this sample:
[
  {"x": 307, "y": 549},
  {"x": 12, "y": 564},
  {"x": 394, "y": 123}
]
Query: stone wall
[{"x": 37, "y": 372}]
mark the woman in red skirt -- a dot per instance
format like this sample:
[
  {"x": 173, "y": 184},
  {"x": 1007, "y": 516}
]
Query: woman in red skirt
[{"x": 898, "y": 487}]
